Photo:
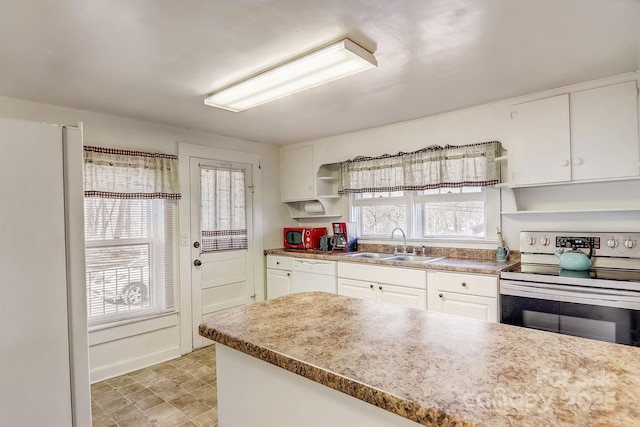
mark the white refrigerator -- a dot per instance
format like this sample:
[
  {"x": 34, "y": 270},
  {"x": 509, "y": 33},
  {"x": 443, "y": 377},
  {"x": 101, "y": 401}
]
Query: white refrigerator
[{"x": 44, "y": 367}]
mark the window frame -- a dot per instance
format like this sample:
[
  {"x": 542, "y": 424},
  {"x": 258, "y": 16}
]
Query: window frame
[
  {"x": 161, "y": 251},
  {"x": 413, "y": 201}
]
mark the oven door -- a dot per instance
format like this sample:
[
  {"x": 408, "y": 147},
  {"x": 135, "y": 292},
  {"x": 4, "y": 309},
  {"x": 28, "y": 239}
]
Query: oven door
[{"x": 601, "y": 314}]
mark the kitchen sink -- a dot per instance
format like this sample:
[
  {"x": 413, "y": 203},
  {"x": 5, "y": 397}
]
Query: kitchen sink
[
  {"x": 413, "y": 258},
  {"x": 371, "y": 255},
  {"x": 392, "y": 257}
]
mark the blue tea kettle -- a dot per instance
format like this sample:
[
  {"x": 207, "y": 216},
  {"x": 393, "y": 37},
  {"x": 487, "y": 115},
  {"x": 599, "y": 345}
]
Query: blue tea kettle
[{"x": 574, "y": 259}]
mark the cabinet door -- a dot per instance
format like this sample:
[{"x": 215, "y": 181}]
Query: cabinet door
[
  {"x": 278, "y": 282},
  {"x": 297, "y": 174},
  {"x": 475, "y": 307},
  {"x": 540, "y": 152},
  {"x": 400, "y": 295},
  {"x": 356, "y": 289},
  {"x": 604, "y": 132}
]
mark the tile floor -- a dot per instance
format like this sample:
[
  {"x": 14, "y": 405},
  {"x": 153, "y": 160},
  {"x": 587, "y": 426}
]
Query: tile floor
[{"x": 180, "y": 392}]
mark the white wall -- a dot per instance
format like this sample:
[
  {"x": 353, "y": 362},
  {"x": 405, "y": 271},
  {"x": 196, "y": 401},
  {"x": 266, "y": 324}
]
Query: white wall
[
  {"x": 131, "y": 346},
  {"x": 487, "y": 123}
]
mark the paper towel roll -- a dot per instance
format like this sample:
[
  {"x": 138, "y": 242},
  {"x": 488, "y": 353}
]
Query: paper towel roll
[{"x": 313, "y": 207}]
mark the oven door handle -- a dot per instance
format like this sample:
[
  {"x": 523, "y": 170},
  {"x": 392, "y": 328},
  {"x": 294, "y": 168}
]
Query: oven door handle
[{"x": 543, "y": 291}]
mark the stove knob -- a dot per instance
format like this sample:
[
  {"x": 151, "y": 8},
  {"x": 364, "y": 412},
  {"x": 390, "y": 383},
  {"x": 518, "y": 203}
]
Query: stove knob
[
  {"x": 612, "y": 243},
  {"x": 630, "y": 244},
  {"x": 544, "y": 241},
  {"x": 531, "y": 241}
]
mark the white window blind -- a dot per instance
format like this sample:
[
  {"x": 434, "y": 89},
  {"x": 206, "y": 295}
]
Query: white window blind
[
  {"x": 223, "y": 214},
  {"x": 130, "y": 202}
]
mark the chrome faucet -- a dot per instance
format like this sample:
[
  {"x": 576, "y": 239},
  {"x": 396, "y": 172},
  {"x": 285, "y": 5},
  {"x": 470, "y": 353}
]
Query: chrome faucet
[{"x": 404, "y": 241}]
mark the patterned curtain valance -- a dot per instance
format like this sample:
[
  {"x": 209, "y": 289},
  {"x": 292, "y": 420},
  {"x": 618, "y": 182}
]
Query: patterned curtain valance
[
  {"x": 451, "y": 166},
  {"x": 125, "y": 174}
]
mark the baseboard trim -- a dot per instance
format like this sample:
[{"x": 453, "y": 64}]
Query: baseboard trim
[{"x": 125, "y": 366}]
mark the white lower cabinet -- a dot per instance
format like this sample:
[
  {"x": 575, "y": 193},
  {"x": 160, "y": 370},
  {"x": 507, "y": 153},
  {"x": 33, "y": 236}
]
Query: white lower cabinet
[
  {"x": 356, "y": 289},
  {"x": 466, "y": 295},
  {"x": 278, "y": 283},
  {"x": 401, "y": 295},
  {"x": 399, "y": 286},
  {"x": 278, "y": 276}
]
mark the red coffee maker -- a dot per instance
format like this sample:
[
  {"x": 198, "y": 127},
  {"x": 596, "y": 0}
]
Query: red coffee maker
[{"x": 344, "y": 237}]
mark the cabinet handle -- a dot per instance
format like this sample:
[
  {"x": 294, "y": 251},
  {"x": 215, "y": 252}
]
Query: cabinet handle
[
  {"x": 380, "y": 287},
  {"x": 288, "y": 274},
  {"x": 464, "y": 284},
  {"x": 564, "y": 163},
  {"x": 277, "y": 262},
  {"x": 440, "y": 295},
  {"x": 577, "y": 161},
  {"x": 371, "y": 286}
]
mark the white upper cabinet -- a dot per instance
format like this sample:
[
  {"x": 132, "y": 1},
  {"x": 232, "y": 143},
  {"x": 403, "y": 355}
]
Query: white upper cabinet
[
  {"x": 604, "y": 132},
  {"x": 541, "y": 150},
  {"x": 306, "y": 193},
  {"x": 583, "y": 136},
  {"x": 297, "y": 174}
]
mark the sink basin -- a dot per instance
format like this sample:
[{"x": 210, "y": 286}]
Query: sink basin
[
  {"x": 392, "y": 257},
  {"x": 413, "y": 258},
  {"x": 372, "y": 255}
]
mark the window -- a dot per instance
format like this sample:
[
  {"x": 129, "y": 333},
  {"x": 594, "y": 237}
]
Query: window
[
  {"x": 129, "y": 257},
  {"x": 129, "y": 205},
  {"x": 377, "y": 214},
  {"x": 223, "y": 210},
  {"x": 446, "y": 213},
  {"x": 452, "y": 212}
]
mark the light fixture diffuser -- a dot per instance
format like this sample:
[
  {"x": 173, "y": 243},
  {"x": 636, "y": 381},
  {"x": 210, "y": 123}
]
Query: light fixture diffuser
[{"x": 324, "y": 65}]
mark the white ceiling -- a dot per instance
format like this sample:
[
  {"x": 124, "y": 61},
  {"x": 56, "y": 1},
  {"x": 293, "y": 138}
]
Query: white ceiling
[{"x": 156, "y": 60}]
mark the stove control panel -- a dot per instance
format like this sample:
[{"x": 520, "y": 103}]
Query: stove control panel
[
  {"x": 578, "y": 242},
  {"x": 618, "y": 245}
]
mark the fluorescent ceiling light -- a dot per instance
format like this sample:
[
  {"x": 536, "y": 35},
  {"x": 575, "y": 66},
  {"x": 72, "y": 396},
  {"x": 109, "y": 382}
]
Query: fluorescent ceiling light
[{"x": 322, "y": 66}]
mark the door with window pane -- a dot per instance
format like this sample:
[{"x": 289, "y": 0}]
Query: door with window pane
[{"x": 221, "y": 218}]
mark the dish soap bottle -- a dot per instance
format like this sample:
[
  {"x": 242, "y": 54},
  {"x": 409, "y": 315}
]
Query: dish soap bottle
[{"x": 502, "y": 253}]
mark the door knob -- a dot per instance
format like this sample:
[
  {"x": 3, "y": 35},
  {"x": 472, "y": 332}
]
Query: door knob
[
  {"x": 196, "y": 245},
  {"x": 197, "y": 263}
]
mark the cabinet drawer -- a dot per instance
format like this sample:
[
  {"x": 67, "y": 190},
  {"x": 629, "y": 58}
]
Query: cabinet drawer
[
  {"x": 279, "y": 262},
  {"x": 378, "y": 274},
  {"x": 468, "y": 284}
]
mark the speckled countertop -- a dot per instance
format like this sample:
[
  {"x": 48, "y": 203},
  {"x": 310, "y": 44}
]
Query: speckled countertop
[
  {"x": 436, "y": 369},
  {"x": 452, "y": 259}
]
